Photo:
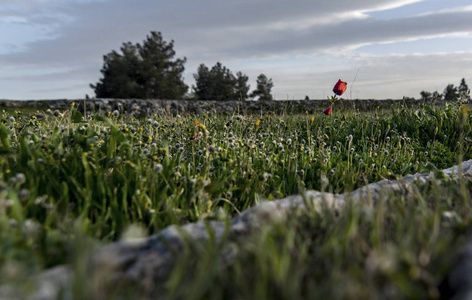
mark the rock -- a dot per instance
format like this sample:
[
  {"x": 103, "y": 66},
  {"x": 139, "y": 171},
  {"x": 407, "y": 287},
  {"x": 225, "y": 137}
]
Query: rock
[
  {"x": 145, "y": 262},
  {"x": 54, "y": 281}
]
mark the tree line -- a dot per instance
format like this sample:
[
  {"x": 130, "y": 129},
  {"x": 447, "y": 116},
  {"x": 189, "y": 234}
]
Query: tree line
[
  {"x": 450, "y": 93},
  {"x": 149, "y": 71}
]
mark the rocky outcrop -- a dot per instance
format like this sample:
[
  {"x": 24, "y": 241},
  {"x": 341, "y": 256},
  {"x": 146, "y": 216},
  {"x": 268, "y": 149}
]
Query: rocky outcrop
[{"x": 146, "y": 262}]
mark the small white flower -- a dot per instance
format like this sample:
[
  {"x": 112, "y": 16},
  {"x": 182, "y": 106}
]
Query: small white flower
[
  {"x": 31, "y": 228},
  {"x": 24, "y": 195},
  {"x": 12, "y": 180},
  {"x": 20, "y": 178},
  {"x": 158, "y": 168}
]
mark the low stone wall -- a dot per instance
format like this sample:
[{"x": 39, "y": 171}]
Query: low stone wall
[{"x": 149, "y": 107}]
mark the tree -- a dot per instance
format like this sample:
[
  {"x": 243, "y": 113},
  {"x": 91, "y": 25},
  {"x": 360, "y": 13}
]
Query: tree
[
  {"x": 241, "y": 88},
  {"x": 264, "y": 86},
  {"x": 146, "y": 71},
  {"x": 219, "y": 83},
  {"x": 203, "y": 88},
  {"x": 436, "y": 96},
  {"x": 450, "y": 93},
  {"x": 463, "y": 89},
  {"x": 425, "y": 96}
]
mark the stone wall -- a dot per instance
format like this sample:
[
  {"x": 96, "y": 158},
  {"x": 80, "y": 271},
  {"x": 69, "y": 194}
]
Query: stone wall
[{"x": 149, "y": 107}]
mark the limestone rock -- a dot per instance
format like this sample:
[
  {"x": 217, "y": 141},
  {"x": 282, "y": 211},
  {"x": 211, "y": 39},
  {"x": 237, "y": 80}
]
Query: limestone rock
[{"x": 147, "y": 261}]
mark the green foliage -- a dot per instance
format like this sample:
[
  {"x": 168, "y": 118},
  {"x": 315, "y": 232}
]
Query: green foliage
[
  {"x": 4, "y": 139},
  {"x": 450, "y": 93},
  {"x": 463, "y": 90},
  {"x": 426, "y": 96},
  {"x": 145, "y": 71},
  {"x": 242, "y": 88},
  {"x": 72, "y": 177},
  {"x": 264, "y": 86},
  {"x": 219, "y": 83}
]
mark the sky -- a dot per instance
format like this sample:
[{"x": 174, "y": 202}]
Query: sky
[{"x": 383, "y": 49}]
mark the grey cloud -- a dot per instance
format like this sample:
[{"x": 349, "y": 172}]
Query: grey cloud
[
  {"x": 352, "y": 34},
  {"x": 209, "y": 30}
]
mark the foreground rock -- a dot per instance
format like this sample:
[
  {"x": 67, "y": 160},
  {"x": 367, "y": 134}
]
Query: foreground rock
[{"x": 149, "y": 261}]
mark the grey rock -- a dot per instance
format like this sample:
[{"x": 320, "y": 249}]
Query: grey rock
[{"x": 148, "y": 261}]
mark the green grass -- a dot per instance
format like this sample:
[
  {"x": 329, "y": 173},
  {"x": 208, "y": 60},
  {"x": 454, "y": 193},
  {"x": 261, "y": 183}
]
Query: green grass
[{"x": 70, "y": 177}]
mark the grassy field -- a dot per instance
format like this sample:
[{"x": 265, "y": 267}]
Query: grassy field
[{"x": 71, "y": 178}]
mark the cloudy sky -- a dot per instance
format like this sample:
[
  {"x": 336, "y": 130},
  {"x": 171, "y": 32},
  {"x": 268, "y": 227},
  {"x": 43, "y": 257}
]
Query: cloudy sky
[{"x": 51, "y": 49}]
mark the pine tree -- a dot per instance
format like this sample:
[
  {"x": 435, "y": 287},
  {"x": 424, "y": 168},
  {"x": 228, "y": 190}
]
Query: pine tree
[
  {"x": 219, "y": 83},
  {"x": 463, "y": 90},
  {"x": 264, "y": 86},
  {"x": 146, "y": 71},
  {"x": 241, "y": 88},
  {"x": 425, "y": 96},
  {"x": 450, "y": 93},
  {"x": 203, "y": 88},
  {"x": 436, "y": 96}
]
